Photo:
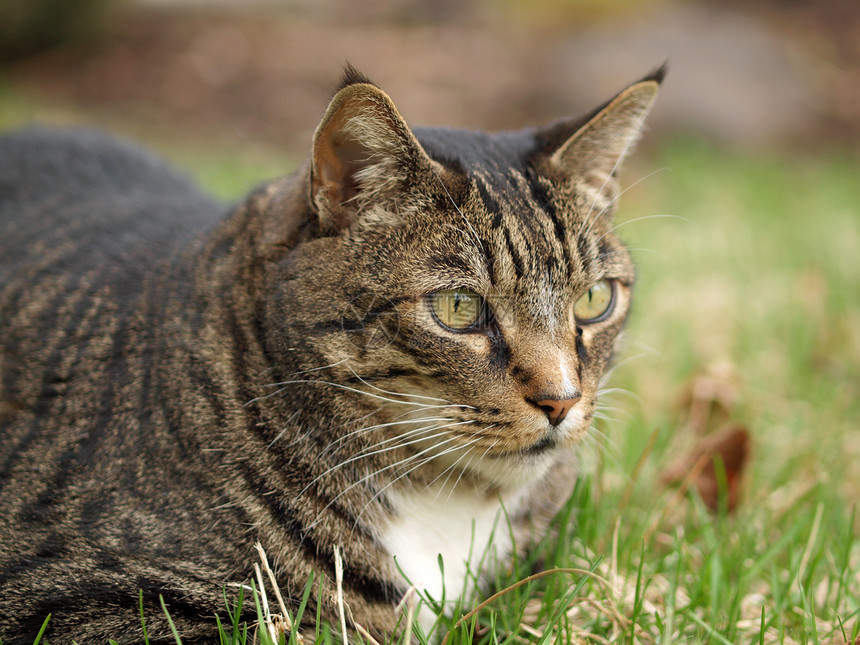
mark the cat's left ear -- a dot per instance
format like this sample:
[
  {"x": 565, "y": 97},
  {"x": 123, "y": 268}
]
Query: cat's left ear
[
  {"x": 591, "y": 155},
  {"x": 363, "y": 155}
]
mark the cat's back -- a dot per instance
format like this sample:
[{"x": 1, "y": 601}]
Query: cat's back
[
  {"x": 89, "y": 225},
  {"x": 94, "y": 234},
  {"x": 97, "y": 198},
  {"x": 90, "y": 228},
  {"x": 98, "y": 318}
]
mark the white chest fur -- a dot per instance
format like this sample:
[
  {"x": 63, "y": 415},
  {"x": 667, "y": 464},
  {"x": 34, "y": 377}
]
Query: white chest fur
[{"x": 457, "y": 525}]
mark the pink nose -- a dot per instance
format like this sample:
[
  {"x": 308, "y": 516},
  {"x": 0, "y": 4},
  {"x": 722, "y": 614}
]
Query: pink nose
[{"x": 557, "y": 409}]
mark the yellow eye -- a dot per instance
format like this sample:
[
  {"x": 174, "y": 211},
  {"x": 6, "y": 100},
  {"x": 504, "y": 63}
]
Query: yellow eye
[
  {"x": 458, "y": 309},
  {"x": 596, "y": 304}
]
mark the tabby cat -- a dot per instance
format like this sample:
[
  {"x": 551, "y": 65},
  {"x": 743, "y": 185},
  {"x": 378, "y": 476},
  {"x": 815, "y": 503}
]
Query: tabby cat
[{"x": 376, "y": 354}]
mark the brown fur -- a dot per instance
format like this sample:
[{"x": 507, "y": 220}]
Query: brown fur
[{"x": 174, "y": 388}]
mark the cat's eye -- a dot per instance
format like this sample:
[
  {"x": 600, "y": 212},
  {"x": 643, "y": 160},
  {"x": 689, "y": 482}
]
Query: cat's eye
[
  {"x": 459, "y": 309},
  {"x": 595, "y": 304}
]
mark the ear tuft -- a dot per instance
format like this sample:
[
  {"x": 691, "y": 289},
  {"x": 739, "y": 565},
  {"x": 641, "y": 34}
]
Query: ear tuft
[
  {"x": 351, "y": 76},
  {"x": 658, "y": 74}
]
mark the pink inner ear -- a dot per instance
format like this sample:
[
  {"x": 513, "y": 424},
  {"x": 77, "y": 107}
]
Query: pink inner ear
[
  {"x": 338, "y": 157},
  {"x": 360, "y": 148},
  {"x": 351, "y": 157}
]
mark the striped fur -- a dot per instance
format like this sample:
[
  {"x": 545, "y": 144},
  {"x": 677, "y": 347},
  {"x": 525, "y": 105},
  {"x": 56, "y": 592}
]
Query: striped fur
[{"x": 179, "y": 379}]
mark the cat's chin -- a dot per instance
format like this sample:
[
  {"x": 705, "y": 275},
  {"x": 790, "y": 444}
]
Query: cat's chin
[
  {"x": 531, "y": 462},
  {"x": 514, "y": 470}
]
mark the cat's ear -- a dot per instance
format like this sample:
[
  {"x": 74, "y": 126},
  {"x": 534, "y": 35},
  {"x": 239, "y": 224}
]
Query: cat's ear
[
  {"x": 592, "y": 154},
  {"x": 363, "y": 154}
]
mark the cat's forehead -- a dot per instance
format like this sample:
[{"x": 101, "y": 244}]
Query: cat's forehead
[
  {"x": 467, "y": 152},
  {"x": 498, "y": 176},
  {"x": 533, "y": 239}
]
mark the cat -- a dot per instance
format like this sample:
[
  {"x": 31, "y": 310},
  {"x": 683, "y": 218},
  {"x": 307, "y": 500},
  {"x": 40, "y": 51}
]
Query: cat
[{"x": 386, "y": 353}]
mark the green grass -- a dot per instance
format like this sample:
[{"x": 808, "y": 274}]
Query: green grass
[{"x": 755, "y": 281}]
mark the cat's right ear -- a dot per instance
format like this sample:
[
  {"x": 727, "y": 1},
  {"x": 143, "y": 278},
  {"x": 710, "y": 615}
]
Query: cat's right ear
[
  {"x": 589, "y": 152},
  {"x": 363, "y": 153}
]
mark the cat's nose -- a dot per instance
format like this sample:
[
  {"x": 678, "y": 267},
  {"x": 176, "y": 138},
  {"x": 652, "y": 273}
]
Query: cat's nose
[{"x": 556, "y": 409}]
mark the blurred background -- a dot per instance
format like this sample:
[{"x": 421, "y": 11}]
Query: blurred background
[
  {"x": 741, "y": 204},
  {"x": 746, "y": 73}
]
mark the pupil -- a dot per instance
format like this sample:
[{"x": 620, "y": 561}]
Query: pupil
[
  {"x": 456, "y": 302},
  {"x": 590, "y": 295}
]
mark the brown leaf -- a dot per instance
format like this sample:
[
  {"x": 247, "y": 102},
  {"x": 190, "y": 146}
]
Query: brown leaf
[{"x": 699, "y": 469}]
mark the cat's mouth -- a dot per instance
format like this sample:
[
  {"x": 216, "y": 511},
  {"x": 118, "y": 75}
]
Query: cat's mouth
[{"x": 545, "y": 443}]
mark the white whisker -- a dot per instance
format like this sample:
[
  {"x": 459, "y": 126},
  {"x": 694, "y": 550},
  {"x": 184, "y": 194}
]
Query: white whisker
[
  {"x": 421, "y": 464},
  {"x": 604, "y": 409},
  {"x": 463, "y": 470},
  {"x": 414, "y": 396},
  {"x": 457, "y": 208},
  {"x": 380, "y": 450},
  {"x": 399, "y": 438},
  {"x": 615, "y": 199},
  {"x": 364, "y": 454},
  {"x": 286, "y": 427},
  {"x": 608, "y": 448},
  {"x": 618, "y": 390},
  {"x": 640, "y": 219},
  {"x": 608, "y": 373},
  {"x": 317, "y": 369},
  {"x": 355, "y": 433},
  {"x": 379, "y": 471},
  {"x": 450, "y": 469},
  {"x": 347, "y": 388}
]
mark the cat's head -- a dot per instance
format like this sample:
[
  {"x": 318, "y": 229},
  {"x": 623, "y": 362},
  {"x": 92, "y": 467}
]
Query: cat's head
[{"x": 471, "y": 284}]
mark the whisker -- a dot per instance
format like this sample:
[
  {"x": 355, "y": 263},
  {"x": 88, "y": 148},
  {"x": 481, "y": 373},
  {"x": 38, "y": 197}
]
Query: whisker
[
  {"x": 615, "y": 198},
  {"x": 379, "y": 471},
  {"x": 609, "y": 448},
  {"x": 618, "y": 390},
  {"x": 378, "y": 426},
  {"x": 423, "y": 462},
  {"x": 374, "y": 412},
  {"x": 640, "y": 219},
  {"x": 347, "y": 388},
  {"x": 642, "y": 249},
  {"x": 463, "y": 470},
  {"x": 613, "y": 409},
  {"x": 414, "y": 396},
  {"x": 457, "y": 208},
  {"x": 286, "y": 427},
  {"x": 365, "y": 454},
  {"x": 317, "y": 369},
  {"x": 396, "y": 438},
  {"x": 378, "y": 449},
  {"x": 450, "y": 469},
  {"x": 634, "y": 250},
  {"x": 608, "y": 373}
]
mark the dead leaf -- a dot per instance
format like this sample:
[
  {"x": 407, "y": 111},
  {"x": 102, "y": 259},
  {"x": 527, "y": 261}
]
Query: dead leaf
[{"x": 699, "y": 468}]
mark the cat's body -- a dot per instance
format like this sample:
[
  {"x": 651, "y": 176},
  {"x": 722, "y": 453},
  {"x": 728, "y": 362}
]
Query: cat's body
[{"x": 178, "y": 381}]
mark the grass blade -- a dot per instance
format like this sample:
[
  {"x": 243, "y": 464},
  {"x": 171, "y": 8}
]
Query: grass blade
[
  {"x": 170, "y": 621},
  {"x": 42, "y": 630}
]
